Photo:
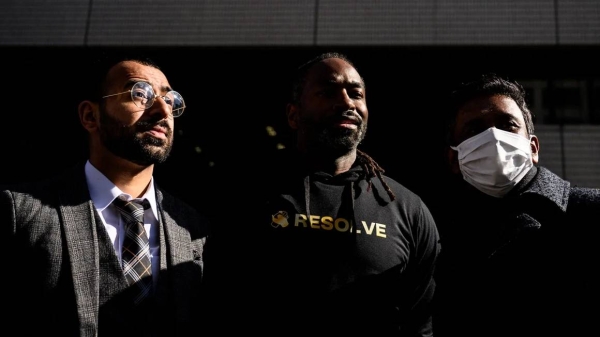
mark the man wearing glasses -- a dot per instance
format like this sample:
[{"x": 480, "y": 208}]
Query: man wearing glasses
[{"x": 80, "y": 263}]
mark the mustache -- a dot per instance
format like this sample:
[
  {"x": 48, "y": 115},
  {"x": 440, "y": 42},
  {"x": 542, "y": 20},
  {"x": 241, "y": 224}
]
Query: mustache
[
  {"x": 149, "y": 125},
  {"x": 348, "y": 115}
]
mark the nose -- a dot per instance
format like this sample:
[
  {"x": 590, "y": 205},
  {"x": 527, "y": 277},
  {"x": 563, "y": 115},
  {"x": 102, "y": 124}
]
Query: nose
[
  {"x": 344, "y": 102},
  {"x": 160, "y": 106}
]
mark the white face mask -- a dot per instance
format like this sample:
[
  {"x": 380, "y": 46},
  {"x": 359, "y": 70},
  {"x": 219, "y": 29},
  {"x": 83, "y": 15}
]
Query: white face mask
[{"x": 494, "y": 161}]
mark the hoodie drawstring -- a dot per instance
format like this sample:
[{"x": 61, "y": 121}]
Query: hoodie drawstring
[{"x": 307, "y": 195}]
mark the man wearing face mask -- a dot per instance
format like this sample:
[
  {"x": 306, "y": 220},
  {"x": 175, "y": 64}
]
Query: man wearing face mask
[{"x": 517, "y": 239}]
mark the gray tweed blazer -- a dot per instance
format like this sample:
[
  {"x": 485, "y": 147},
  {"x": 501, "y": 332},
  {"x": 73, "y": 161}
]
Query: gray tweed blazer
[{"x": 51, "y": 236}]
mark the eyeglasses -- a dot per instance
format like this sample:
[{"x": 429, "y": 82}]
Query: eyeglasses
[{"x": 143, "y": 96}]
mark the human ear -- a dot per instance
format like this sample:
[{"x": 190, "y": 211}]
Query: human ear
[
  {"x": 292, "y": 115},
  {"x": 534, "y": 142},
  {"x": 87, "y": 111}
]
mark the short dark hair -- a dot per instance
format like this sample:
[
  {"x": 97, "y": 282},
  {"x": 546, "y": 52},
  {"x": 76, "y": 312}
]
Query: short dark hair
[
  {"x": 487, "y": 84},
  {"x": 300, "y": 77},
  {"x": 99, "y": 63}
]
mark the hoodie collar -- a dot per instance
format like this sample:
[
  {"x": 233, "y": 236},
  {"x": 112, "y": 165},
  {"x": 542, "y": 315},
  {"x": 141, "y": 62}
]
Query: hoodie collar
[{"x": 354, "y": 174}]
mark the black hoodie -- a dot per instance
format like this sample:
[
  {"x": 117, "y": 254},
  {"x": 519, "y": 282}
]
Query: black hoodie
[{"x": 342, "y": 256}]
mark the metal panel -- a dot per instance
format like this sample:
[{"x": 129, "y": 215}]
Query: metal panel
[
  {"x": 582, "y": 154},
  {"x": 202, "y": 23},
  {"x": 428, "y": 22},
  {"x": 41, "y": 23},
  {"x": 511, "y": 22},
  {"x": 551, "y": 145},
  {"x": 577, "y": 150},
  {"x": 356, "y": 23},
  {"x": 298, "y": 23},
  {"x": 579, "y": 22}
]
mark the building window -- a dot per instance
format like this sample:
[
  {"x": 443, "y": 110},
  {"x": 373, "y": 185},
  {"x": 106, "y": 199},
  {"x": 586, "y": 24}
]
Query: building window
[{"x": 567, "y": 101}]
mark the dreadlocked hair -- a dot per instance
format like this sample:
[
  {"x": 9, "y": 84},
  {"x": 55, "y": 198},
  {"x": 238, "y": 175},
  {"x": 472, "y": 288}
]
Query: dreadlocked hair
[{"x": 373, "y": 170}]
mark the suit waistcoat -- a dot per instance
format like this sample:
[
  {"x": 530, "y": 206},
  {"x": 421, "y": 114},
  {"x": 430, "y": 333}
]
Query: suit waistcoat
[{"x": 117, "y": 314}]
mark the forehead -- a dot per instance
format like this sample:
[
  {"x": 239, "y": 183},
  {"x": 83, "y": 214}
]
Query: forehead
[
  {"x": 127, "y": 71},
  {"x": 333, "y": 70},
  {"x": 489, "y": 109}
]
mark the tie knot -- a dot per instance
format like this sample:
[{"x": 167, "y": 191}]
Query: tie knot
[{"x": 132, "y": 210}]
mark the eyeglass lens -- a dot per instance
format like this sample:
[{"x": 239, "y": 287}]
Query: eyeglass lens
[{"x": 143, "y": 96}]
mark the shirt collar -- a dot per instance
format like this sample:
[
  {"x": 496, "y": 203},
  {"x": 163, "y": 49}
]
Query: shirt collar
[{"x": 103, "y": 191}]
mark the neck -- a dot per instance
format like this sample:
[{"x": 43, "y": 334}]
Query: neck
[
  {"x": 129, "y": 177},
  {"x": 331, "y": 164}
]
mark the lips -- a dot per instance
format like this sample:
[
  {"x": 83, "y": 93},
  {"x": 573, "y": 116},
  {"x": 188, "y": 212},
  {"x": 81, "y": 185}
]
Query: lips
[
  {"x": 159, "y": 129},
  {"x": 158, "y": 132},
  {"x": 348, "y": 119},
  {"x": 347, "y": 124}
]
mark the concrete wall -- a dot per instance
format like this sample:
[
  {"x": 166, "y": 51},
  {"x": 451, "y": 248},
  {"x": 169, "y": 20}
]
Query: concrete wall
[{"x": 572, "y": 152}]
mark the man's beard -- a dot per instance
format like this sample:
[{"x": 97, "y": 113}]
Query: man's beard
[
  {"x": 339, "y": 141},
  {"x": 129, "y": 142}
]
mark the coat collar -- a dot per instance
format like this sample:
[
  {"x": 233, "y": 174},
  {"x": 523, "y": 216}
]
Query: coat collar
[{"x": 551, "y": 187}]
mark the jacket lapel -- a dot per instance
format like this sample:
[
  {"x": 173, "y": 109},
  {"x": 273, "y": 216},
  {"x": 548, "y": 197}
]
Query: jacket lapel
[
  {"x": 81, "y": 240},
  {"x": 177, "y": 241}
]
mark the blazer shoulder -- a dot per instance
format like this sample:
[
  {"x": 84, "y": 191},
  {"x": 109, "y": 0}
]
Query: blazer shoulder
[{"x": 181, "y": 212}]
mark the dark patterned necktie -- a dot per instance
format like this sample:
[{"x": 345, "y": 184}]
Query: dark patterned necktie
[{"x": 135, "y": 253}]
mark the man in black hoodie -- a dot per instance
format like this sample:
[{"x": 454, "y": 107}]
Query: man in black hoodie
[
  {"x": 518, "y": 241},
  {"x": 347, "y": 250}
]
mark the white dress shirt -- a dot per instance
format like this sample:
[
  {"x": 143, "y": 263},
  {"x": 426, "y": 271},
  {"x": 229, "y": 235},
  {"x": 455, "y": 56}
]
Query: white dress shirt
[{"x": 103, "y": 192}]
